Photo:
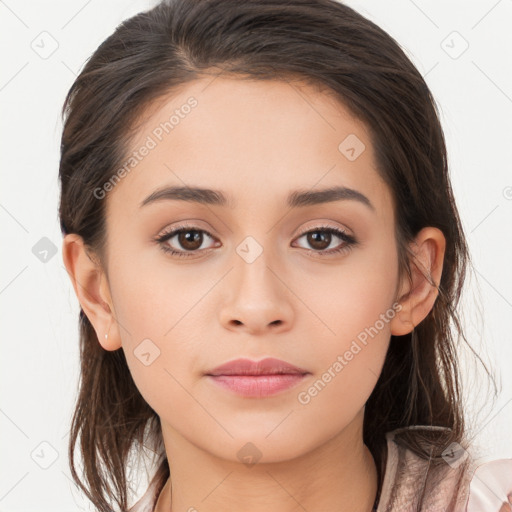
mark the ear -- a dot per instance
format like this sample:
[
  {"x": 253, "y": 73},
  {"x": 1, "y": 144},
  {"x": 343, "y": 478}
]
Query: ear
[
  {"x": 417, "y": 295},
  {"x": 92, "y": 289}
]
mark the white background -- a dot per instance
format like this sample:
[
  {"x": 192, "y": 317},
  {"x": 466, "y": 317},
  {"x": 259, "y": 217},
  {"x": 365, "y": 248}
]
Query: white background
[{"x": 39, "y": 363}]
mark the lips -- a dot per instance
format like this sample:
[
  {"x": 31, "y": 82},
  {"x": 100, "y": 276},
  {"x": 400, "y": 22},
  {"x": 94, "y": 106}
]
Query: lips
[
  {"x": 257, "y": 379},
  {"x": 267, "y": 366}
]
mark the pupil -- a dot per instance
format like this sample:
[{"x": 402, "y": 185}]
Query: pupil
[
  {"x": 190, "y": 242},
  {"x": 316, "y": 239}
]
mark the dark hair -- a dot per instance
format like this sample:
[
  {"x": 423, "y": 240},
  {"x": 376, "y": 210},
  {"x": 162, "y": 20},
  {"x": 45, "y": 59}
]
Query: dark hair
[{"x": 323, "y": 43}]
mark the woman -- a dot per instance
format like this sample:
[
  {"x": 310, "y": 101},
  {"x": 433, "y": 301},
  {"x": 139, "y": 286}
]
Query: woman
[{"x": 260, "y": 228}]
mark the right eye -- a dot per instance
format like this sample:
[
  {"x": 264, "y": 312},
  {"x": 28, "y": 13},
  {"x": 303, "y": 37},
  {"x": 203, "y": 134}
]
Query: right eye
[{"x": 190, "y": 238}]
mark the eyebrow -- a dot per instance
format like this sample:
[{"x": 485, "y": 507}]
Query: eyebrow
[{"x": 296, "y": 199}]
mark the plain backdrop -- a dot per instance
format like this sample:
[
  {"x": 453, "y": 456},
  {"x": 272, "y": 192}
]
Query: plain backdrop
[{"x": 464, "y": 51}]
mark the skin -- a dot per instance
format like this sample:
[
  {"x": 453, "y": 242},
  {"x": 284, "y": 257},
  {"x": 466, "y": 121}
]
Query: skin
[{"x": 255, "y": 141}]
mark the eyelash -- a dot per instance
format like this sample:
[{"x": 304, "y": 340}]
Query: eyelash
[{"x": 349, "y": 240}]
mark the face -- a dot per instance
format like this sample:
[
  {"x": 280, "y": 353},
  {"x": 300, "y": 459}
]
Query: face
[{"x": 255, "y": 274}]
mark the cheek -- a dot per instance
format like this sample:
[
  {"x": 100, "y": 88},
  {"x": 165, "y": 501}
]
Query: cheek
[
  {"x": 153, "y": 296},
  {"x": 350, "y": 298},
  {"x": 347, "y": 364},
  {"x": 355, "y": 305},
  {"x": 154, "y": 310}
]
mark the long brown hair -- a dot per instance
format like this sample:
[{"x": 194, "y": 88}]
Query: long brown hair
[{"x": 324, "y": 43}]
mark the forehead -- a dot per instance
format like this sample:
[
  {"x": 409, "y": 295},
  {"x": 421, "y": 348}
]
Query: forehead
[{"x": 251, "y": 138}]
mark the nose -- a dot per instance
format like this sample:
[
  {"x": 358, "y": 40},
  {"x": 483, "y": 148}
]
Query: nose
[{"x": 256, "y": 298}]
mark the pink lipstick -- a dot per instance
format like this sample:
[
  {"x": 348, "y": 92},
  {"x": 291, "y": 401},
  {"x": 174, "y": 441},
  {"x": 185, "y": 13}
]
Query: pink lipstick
[{"x": 257, "y": 378}]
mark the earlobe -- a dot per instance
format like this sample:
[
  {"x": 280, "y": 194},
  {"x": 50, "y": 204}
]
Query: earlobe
[
  {"x": 91, "y": 288},
  {"x": 419, "y": 293}
]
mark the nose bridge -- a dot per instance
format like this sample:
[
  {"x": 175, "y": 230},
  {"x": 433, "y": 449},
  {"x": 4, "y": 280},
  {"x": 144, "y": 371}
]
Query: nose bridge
[
  {"x": 256, "y": 297},
  {"x": 254, "y": 265}
]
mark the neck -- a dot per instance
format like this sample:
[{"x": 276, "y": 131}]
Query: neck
[{"x": 339, "y": 476}]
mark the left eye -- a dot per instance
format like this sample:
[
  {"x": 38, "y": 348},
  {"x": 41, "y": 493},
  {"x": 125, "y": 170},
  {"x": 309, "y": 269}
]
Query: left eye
[{"x": 320, "y": 238}]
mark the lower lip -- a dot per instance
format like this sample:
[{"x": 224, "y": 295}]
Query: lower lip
[{"x": 258, "y": 385}]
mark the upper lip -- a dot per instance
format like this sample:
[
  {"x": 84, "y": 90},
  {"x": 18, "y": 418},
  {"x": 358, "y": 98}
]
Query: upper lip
[{"x": 267, "y": 366}]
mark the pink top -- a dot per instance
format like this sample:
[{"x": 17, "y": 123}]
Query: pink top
[{"x": 456, "y": 484}]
